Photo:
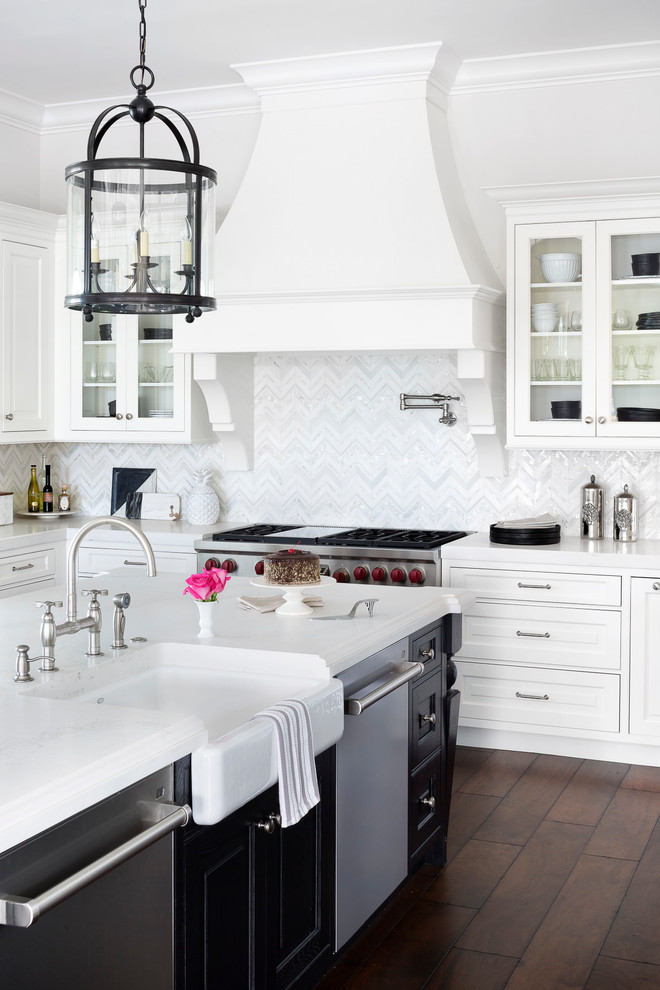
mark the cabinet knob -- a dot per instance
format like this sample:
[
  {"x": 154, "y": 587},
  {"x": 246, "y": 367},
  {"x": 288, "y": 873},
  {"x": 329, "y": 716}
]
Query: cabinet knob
[
  {"x": 129, "y": 415},
  {"x": 428, "y": 801},
  {"x": 118, "y": 416},
  {"x": 268, "y": 826},
  {"x": 9, "y": 416},
  {"x": 602, "y": 419},
  {"x": 588, "y": 419},
  {"x": 429, "y": 654},
  {"x": 428, "y": 718},
  {"x": 656, "y": 585}
]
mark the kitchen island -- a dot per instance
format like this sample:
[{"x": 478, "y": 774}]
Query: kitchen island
[{"x": 59, "y": 757}]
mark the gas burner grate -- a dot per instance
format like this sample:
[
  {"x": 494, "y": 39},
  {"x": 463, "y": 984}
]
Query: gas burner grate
[
  {"x": 249, "y": 534},
  {"x": 404, "y": 539}
]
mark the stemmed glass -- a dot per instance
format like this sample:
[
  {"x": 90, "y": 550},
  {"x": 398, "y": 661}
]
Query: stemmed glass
[
  {"x": 620, "y": 357},
  {"x": 643, "y": 355}
]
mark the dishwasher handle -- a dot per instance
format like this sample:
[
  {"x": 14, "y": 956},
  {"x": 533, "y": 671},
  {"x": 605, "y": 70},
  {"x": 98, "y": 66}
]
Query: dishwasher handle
[
  {"x": 405, "y": 671},
  {"x": 21, "y": 912}
]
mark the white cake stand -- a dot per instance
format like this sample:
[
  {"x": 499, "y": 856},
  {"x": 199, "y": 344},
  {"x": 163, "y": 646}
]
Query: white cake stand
[{"x": 293, "y": 595}]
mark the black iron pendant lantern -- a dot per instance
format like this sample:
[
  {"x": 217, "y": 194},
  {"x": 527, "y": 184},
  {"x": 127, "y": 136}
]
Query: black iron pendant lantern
[{"x": 140, "y": 230}]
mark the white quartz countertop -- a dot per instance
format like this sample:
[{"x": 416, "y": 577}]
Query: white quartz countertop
[
  {"x": 641, "y": 556},
  {"x": 60, "y": 756},
  {"x": 162, "y": 533}
]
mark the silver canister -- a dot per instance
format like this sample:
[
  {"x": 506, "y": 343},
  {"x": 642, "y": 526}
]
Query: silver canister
[
  {"x": 591, "y": 511},
  {"x": 625, "y": 516}
]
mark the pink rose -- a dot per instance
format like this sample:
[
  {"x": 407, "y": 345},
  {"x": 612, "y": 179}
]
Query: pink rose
[{"x": 206, "y": 586}]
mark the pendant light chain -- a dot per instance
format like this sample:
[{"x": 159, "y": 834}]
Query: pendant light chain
[{"x": 143, "y": 37}]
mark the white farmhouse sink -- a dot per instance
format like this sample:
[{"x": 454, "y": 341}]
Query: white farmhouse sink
[{"x": 224, "y": 688}]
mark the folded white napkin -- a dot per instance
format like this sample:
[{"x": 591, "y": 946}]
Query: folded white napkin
[
  {"x": 298, "y": 784},
  {"x": 272, "y": 602},
  {"x": 537, "y": 522}
]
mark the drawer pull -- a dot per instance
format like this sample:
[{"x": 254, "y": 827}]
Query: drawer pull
[
  {"x": 23, "y": 567},
  {"x": 136, "y": 563},
  {"x": 656, "y": 585},
  {"x": 533, "y": 635},
  {"x": 428, "y": 718},
  {"x": 428, "y": 801},
  {"x": 544, "y": 587},
  {"x": 429, "y": 654},
  {"x": 533, "y": 697}
]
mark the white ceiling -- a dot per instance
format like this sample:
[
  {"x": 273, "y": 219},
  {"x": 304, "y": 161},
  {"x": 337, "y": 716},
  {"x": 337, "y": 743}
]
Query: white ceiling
[{"x": 53, "y": 52}]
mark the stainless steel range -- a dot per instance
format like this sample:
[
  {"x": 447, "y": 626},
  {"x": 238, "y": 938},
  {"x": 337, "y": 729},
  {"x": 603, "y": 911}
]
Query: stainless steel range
[{"x": 363, "y": 556}]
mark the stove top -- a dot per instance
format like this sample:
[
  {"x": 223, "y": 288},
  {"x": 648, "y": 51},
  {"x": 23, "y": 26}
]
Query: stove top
[{"x": 335, "y": 536}]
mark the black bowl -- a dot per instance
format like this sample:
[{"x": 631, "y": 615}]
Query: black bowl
[
  {"x": 645, "y": 264},
  {"x": 566, "y": 409}
]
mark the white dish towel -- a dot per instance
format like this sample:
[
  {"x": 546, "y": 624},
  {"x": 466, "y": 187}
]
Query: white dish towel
[{"x": 299, "y": 789}]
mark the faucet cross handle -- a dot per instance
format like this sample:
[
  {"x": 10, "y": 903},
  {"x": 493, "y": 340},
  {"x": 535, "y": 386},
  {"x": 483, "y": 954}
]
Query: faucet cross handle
[
  {"x": 94, "y": 593},
  {"x": 48, "y": 605}
]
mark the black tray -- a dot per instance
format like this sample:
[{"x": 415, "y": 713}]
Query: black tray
[{"x": 525, "y": 537}]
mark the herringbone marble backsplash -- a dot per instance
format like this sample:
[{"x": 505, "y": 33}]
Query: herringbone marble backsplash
[{"x": 332, "y": 447}]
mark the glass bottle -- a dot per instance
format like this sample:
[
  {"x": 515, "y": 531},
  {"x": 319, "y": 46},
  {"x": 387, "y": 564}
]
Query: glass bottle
[
  {"x": 34, "y": 495},
  {"x": 64, "y": 503},
  {"x": 42, "y": 482},
  {"x": 48, "y": 492}
]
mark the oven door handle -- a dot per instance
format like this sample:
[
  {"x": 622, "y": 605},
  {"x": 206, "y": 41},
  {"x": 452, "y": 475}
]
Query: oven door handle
[
  {"x": 21, "y": 912},
  {"x": 405, "y": 671}
]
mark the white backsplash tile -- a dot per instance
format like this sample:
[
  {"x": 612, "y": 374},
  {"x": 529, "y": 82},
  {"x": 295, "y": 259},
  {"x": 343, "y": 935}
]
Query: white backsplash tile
[{"x": 332, "y": 447}]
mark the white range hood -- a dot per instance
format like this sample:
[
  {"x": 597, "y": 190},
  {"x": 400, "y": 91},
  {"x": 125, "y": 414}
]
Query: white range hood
[{"x": 350, "y": 229}]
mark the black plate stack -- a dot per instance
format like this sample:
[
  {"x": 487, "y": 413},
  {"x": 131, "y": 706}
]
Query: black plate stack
[
  {"x": 637, "y": 414},
  {"x": 525, "y": 536},
  {"x": 648, "y": 321}
]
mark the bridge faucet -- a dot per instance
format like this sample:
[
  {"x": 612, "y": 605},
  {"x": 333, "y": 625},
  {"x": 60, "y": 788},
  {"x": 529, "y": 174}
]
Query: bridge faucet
[{"x": 93, "y": 620}]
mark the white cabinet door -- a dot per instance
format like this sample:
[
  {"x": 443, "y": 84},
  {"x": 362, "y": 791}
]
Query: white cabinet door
[
  {"x": 25, "y": 335},
  {"x": 645, "y": 657}
]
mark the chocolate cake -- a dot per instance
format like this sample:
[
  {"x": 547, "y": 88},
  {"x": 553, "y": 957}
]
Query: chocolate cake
[{"x": 292, "y": 566}]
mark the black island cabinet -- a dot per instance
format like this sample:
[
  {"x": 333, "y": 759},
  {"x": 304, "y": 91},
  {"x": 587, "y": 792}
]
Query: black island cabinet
[{"x": 254, "y": 903}]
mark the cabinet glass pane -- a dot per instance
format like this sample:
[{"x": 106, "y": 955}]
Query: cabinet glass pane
[
  {"x": 99, "y": 368},
  {"x": 555, "y": 328},
  {"x": 155, "y": 368},
  {"x": 635, "y": 327}
]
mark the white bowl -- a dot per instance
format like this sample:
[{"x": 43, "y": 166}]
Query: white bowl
[
  {"x": 560, "y": 267},
  {"x": 544, "y": 307},
  {"x": 544, "y": 324}
]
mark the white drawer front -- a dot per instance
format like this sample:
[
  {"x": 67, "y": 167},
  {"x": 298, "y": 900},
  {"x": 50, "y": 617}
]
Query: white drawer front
[
  {"x": 574, "y": 637},
  {"x": 27, "y": 567},
  {"x": 538, "y": 586},
  {"x": 562, "y": 699},
  {"x": 91, "y": 560}
]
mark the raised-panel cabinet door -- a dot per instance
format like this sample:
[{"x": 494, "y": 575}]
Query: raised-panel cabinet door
[{"x": 25, "y": 293}]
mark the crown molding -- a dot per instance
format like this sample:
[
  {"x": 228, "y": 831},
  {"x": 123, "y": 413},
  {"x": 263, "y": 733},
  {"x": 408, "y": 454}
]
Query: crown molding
[
  {"x": 582, "y": 199},
  {"x": 561, "y": 68},
  {"x": 16, "y": 111}
]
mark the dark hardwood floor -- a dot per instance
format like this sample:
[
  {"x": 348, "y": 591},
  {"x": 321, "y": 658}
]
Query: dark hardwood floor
[{"x": 552, "y": 883}]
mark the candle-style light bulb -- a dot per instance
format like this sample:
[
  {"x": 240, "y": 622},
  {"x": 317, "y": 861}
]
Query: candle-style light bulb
[
  {"x": 94, "y": 255},
  {"x": 143, "y": 233},
  {"x": 186, "y": 242}
]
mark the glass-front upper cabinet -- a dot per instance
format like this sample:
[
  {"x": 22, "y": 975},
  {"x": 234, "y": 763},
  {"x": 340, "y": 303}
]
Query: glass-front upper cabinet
[
  {"x": 629, "y": 369},
  {"x": 584, "y": 334},
  {"x": 554, "y": 314},
  {"x": 125, "y": 377}
]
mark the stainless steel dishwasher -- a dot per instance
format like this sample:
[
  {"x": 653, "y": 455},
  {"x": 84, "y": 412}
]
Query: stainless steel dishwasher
[
  {"x": 372, "y": 786},
  {"x": 89, "y": 902}
]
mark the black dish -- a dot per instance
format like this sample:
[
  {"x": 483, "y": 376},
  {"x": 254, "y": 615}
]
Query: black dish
[
  {"x": 637, "y": 414},
  {"x": 566, "y": 409},
  {"x": 645, "y": 264},
  {"x": 525, "y": 536},
  {"x": 157, "y": 333}
]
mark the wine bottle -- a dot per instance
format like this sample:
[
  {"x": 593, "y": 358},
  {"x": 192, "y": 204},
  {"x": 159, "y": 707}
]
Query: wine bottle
[
  {"x": 34, "y": 495},
  {"x": 48, "y": 492},
  {"x": 42, "y": 481}
]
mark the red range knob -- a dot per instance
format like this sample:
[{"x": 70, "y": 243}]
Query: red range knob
[
  {"x": 211, "y": 562},
  {"x": 398, "y": 575},
  {"x": 341, "y": 576},
  {"x": 229, "y": 565},
  {"x": 417, "y": 576},
  {"x": 379, "y": 574},
  {"x": 361, "y": 573},
  {"x": 259, "y": 567}
]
